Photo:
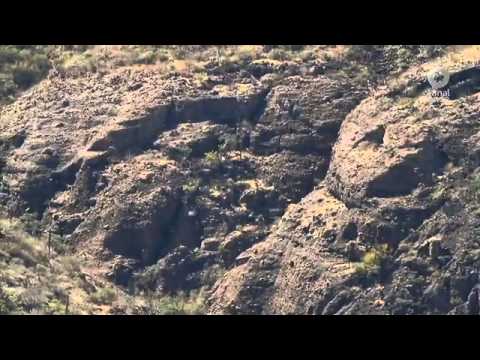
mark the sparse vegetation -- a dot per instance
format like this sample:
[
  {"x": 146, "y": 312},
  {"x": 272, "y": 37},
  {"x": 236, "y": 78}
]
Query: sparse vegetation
[
  {"x": 191, "y": 186},
  {"x": 32, "y": 281},
  {"x": 180, "y": 153},
  {"x": 156, "y": 178},
  {"x": 280, "y": 54},
  {"x": 7, "y": 304},
  {"x": 179, "y": 304},
  {"x": 20, "y": 67},
  {"x": 213, "y": 159},
  {"x": 475, "y": 186},
  {"x": 373, "y": 260},
  {"x": 104, "y": 296}
]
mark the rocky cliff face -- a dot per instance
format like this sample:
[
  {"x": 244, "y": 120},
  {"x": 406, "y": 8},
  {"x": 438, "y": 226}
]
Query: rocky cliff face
[
  {"x": 312, "y": 193},
  {"x": 389, "y": 230}
]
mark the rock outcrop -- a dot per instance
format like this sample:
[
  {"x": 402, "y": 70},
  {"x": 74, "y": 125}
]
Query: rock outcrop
[{"x": 382, "y": 234}]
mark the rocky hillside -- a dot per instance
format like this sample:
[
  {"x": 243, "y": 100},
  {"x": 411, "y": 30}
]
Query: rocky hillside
[{"x": 243, "y": 180}]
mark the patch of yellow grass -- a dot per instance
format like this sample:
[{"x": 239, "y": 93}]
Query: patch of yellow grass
[
  {"x": 242, "y": 51},
  {"x": 216, "y": 192},
  {"x": 267, "y": 61},
  {"x": 187, "y": 66},
  {"x": 249, "y": 49},
  {"x": 456, "y": 58},
  {"x": 76, "y": 60},
  {"x": 200, "y": 78},
  {"x": 14, "y": 228},
  {"x": 256, "y": 184},
  {"x": 234, "y": 89}
]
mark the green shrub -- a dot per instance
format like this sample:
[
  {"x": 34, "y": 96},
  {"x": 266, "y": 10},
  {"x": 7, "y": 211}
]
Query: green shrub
[
  {"x": 147, "y": 57},
  {"x": 428, "y": 51},
  {"x": 284, "y": 47},
  {"x": 32, "y": 298},
  {"x": 360, "y": 52},
  {"x": 8, "y": 54},
  {"x": 279, "y": 55},
  {"x": 24, "y": 76},
  {"x": 60, "y": 244},
  {"x": 191, "y": 186},
  {"x": 30, "y": 223},
  {"x": 175, "y": 305},
  {"x": 212, "y": 274},
  {"x": 7, "y": 304},
  {"x": 179, "y": 52},
  {"x": 7, "y": 85},
  {"x": 55, "y": 307},
  {"x": 21, "y": 66},
  {"x": 71, "y": 265},
  {"x": 103, "y": 296},
  {"x": 475, "y": 185},
  {"x": 373, "y": 260},
  {"x": 179, "y": 153},
  {"x": 213, "y": 158},
  {"x": 224, "y": 252}
]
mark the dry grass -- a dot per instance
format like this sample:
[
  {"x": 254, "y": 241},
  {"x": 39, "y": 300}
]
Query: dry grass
[
  {"x": 456, "y": 58},
  {"x": 32, "y": 281}
]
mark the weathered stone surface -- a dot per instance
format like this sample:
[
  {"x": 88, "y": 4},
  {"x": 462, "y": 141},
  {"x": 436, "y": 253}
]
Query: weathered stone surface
[
  {"x": 314, "y": 195},
  {"x": 398, "y": 175}
]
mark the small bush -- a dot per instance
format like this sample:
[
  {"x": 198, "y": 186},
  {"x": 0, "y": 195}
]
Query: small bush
[
  {"x": 212, "y": 274},
  {"x": 71, "y": 265},
  {"x": 147, "y": 57},
  {"x": 279, "y": 55},
  {"x": 213, "y": 158},
  {"x": 179, "y": 52},
  {"x": 23, "y": 65},
  {"x": 373, "y": 260},
  {"x": 175, "y": 305},
  {"x": 30, "y": 223},
  {"x": 24, "y": 76},
  {"x": 180, "y": 153},
  {"x": 32, "y": 299},
  {"x": 7, "y": 304},
  {"x": 104, "y": 296},
  {"x": 60, "y": 244},
  {"x": 360, "y": 52},
  {"x": 428, "y": 51},
  {"x": 284, "y": 47},
  {"x": 191, "y": 186},
  {"x": 55, "y": 307},
  {"x": 475, "y": 185}
]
